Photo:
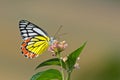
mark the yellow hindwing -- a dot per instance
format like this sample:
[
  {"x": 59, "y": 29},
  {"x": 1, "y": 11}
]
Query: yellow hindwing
[{"x": 38, "y": 44}]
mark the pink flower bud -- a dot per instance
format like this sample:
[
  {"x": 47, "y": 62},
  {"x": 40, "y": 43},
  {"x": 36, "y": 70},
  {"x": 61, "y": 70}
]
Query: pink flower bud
[
  {"x": 76, "y": 66},
  {"x": 65, "y": 58},
  {"x": 57, "y": 47}
]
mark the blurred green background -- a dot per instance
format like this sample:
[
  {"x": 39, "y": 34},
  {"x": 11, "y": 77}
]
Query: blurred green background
[{"x": 94, "y": 21}]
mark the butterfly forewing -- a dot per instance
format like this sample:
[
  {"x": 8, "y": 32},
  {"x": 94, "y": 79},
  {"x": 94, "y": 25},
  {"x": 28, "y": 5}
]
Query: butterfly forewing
[{"x": 29, "y": 30}]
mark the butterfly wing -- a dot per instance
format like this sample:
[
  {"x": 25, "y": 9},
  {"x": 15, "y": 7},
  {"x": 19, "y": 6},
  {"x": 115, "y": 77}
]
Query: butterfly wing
[
  {"x": 29, "y": 30},
  {"x": 36, "y": 40}
]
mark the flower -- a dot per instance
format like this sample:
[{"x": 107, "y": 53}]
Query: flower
[
  {"x": 57, "y": 47},
  {"x": 78, "y": 58},
  {"x": 65, "y": 59},
  {"x": 76, "y": 66}
]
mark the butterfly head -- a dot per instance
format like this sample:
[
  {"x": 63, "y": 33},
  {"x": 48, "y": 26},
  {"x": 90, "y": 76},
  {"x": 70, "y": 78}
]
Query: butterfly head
[{"x": 52, "y": 39}]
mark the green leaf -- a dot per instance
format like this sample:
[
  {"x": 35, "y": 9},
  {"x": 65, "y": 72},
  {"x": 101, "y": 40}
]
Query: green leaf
[
  {"x": 51, "y": 74},
  {"x": 54, "y": 61},
  {"x": 73, "y": 57}
]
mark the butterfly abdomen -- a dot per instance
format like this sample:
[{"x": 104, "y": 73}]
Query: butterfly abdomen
[{"x": 25, "y": 52}]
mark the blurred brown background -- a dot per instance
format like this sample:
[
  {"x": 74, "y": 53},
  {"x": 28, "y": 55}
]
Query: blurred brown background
[{"x": 94, "y": 21}]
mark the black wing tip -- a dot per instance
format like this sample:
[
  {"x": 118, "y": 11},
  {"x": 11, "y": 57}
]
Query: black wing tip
[{"x": 23, "y": 20}]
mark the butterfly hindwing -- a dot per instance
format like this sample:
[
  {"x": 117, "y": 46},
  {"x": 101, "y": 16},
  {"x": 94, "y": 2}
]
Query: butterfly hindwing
[
  {"x": 38, "y": 44},
  {"x": 25, "y": 52}
]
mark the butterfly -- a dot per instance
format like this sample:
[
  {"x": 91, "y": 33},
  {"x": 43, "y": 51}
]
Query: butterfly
[{"x": 35, "y": 39}]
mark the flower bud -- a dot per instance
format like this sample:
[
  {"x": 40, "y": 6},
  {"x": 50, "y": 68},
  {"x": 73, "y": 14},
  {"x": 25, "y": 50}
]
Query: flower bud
[
  {"x": 57, "y": 47},
  {"x": 76, "y": 66}
]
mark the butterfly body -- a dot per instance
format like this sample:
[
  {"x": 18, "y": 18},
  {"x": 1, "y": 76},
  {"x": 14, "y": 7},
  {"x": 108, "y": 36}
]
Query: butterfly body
[{"x": 36, "y": 40}]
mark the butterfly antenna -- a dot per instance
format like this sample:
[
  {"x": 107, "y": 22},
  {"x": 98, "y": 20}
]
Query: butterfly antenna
[
  {"x": 56, "y": 33},
  {"x": 60, "y": 35}
]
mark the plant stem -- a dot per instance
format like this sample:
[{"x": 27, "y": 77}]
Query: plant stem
[
  {"x": 62, "y": 72},
  {"x": 68, "y": 75}
]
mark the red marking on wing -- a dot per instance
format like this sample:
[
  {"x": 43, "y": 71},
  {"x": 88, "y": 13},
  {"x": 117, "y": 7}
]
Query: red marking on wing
[{"x": 25, "y": 52}]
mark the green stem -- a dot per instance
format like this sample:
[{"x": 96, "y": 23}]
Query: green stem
[
  {"x": 68, "y": 75},
  {"x": 59, "y": 56}
]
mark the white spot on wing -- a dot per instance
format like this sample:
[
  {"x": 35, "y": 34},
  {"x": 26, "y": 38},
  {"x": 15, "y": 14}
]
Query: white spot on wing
[
  {"x": 22, "y": 25},
  {"x": 28, "y": 28},
  {"x": 25, "y": 38},
  {"x": 32, "y": 34},
  {"x": 30, "y": 31},
  {"x": 39, "y": 31},
  {"x": 24, "y": 35},
  {"x": 22, "y": 28},
  {"x": 30, "y": 43},
  {"x": 24, "y": 31}
]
